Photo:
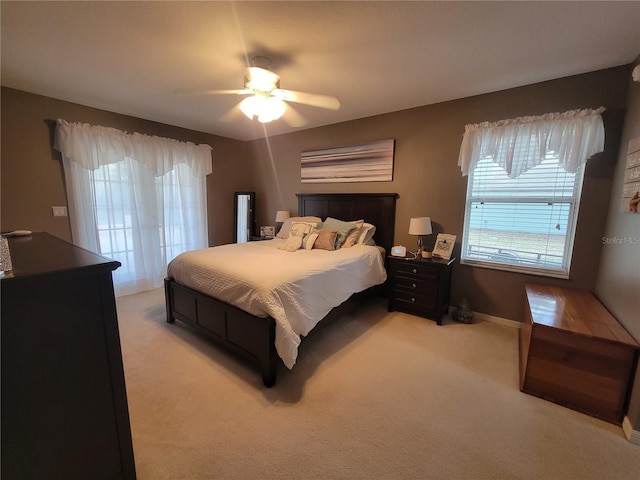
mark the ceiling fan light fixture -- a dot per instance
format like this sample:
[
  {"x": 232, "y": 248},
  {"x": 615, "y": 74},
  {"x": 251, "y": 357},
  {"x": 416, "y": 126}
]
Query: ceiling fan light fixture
[
  {"x": 265, "y": 108},
  {"x": 266, "y": 101},
  {"x": 261, "y": 80}
]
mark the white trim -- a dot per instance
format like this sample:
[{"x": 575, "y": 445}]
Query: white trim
[
  {"x": 483, "y": 317},
  {"x": 502, "y": 321},
  {"x": 507, "y": 267},
  {"x": 632, "y": 435}
]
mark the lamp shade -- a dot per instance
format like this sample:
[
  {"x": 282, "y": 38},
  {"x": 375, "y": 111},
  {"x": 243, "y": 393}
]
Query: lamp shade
[
  {"x": 420, "y": 226},
  {"x": 281, "y": 216}
]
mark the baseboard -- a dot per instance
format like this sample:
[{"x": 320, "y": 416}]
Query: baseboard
[
  {"x": 502, "y": 321},
  {"x": 483, "y": 317},
  {"x": 632, "y": 435}
]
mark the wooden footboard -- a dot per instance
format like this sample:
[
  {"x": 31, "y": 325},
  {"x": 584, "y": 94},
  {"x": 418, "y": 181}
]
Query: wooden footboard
[
  {"x": 245, "y": 334},
  {"x": 238, "y": 331}
]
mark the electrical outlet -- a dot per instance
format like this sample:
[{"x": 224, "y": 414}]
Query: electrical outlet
[{"x": 59, "y": 211}]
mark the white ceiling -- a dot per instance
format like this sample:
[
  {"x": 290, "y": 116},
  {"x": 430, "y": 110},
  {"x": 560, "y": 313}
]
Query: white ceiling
[{"x": 376, "y": 57}]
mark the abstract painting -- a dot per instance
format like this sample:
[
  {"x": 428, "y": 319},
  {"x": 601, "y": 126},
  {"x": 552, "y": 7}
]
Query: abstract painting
[{"x": 370, "y": 162}]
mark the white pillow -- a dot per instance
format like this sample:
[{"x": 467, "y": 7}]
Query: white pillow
[
  {"x": 367, "y": 232},
  {"x": 302, "y": 228},
  {"x": 308, "y": 240},
  {"x": 354, "y": 235},
  {"x": 285, "y": 230},
  {"x": 293, "y": 243}
]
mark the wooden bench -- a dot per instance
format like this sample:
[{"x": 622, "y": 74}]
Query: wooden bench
[{"x": 574, "y": 353}]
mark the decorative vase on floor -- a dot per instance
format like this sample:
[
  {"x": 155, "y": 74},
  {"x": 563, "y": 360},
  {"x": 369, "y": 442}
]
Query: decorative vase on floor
[{"x": 463, "y": 313}]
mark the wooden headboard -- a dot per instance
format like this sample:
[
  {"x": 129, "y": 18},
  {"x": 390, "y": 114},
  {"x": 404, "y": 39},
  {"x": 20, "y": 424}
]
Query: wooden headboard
[{"x": 378, "y": 209}]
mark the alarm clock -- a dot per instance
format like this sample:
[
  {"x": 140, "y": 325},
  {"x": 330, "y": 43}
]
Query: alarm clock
[{"x": 399, "y": 251}]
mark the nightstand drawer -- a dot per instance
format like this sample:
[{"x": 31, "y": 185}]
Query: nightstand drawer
[
  {"x": 424, "y": 300},
  {"x": 412, "y": 269},
  {"x": 421, "y": 304},
  {"x": 416, "y": 284}
]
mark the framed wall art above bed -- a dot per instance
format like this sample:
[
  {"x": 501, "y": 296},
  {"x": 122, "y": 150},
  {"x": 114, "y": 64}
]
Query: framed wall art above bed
[{"x": 369, "y": 162}]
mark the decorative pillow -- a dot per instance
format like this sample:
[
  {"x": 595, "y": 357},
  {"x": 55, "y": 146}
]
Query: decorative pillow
[
  {"x": 326, "y": 240},
  {"x": 308, "y": 240},
  {"x": 293, "y": 243},
  {"x": 343, "y": 229},
  {"x": 285, "y": 230},
  {"x": 302, "y": 228},
  {"x": 354, "y": 235},
  {"x": 366, "y": 235}
]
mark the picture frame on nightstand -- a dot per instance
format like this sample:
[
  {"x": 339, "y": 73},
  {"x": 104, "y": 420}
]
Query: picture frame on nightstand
[
  {"x": 444, "y": 246},
  {"x": 268, "y": 231}
]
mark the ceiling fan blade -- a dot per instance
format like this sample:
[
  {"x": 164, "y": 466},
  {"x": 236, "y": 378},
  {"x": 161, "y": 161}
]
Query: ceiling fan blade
[
  {"x": 186, "y": 93},
  {"x": 315, "y": 100},
  {"x": 232, "y": 115},
  {"x": 293, "y": 118}
]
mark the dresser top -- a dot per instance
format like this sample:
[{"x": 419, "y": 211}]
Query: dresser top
[
  {"x": 42, "y": 253},
  {"x": 574, "y": 310}
]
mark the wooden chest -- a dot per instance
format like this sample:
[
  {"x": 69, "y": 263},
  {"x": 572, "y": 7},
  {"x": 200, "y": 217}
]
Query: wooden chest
[{"x": 574, "y": 353}]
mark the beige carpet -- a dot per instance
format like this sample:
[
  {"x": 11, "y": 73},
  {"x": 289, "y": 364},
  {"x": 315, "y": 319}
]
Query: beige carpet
[{"x": 375, "y": 395}]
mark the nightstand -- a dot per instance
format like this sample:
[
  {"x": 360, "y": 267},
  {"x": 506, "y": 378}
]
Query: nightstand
[
  {"x": 259, "y": 239},
  {"x": 420, "y": 286}
]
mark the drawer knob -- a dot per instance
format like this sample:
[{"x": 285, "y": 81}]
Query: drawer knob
[
  {"x": 413, "y": 285},
  {"x": 415, "y": 270},
  {"x": 413, "y": 300}
]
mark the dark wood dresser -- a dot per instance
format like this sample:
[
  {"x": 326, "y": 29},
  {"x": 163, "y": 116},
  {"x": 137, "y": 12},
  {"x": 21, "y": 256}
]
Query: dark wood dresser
[
  {"x": 420, "y": 286},
  {"x": 64, "y": 402},
  {"x": 575, "y": 353}
]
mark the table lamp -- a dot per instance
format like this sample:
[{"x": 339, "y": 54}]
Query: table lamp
[
  {"x": 420, "y": 226},
  {"x": 281, "y": 216}
]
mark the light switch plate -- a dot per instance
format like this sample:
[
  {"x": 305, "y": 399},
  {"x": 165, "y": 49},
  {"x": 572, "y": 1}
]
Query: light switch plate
[{"x": 59, "y": 211}]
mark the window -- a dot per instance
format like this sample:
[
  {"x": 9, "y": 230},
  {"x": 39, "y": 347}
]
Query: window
[
  {"x": 137, "y": 199},
  {"x": 170, "y": 219},
  {"x": 523, "y": 192},
  {"x": 523, "y": 224}
]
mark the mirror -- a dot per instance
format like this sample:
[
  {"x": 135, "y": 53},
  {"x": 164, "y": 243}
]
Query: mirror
[{"x": 244, "y": 214}]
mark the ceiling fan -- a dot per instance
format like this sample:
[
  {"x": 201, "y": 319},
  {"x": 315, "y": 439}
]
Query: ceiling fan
[{"x": 266, "y": 99}]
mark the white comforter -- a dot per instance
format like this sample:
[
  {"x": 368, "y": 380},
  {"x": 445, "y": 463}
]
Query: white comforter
[{"x": 296, "y": 288}]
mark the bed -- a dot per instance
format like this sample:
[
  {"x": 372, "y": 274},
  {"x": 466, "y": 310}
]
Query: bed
[{"x": 256, "y": 331}]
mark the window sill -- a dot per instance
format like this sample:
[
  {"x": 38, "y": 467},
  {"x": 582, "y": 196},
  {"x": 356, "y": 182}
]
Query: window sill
[{"x": 516, "y": 269}]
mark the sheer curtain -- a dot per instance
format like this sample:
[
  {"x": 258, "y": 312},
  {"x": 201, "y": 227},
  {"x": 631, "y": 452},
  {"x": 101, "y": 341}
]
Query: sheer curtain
[
  {"x": 135, "y": 198},
  {"x": 520, "y": 144}
]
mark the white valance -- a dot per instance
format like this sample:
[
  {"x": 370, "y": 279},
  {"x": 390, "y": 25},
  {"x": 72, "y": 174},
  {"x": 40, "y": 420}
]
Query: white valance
[
  {"x": 522, "y": 143},
  {"x": 93, "y": 146}
]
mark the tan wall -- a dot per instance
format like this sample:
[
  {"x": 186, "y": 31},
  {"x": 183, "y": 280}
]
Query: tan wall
[
  {"x": 618, "y": 285},
  {"x": 429, "y": 182},
  {"x": 425, "y": 175},
  {"x": 32, "y": 177}
]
